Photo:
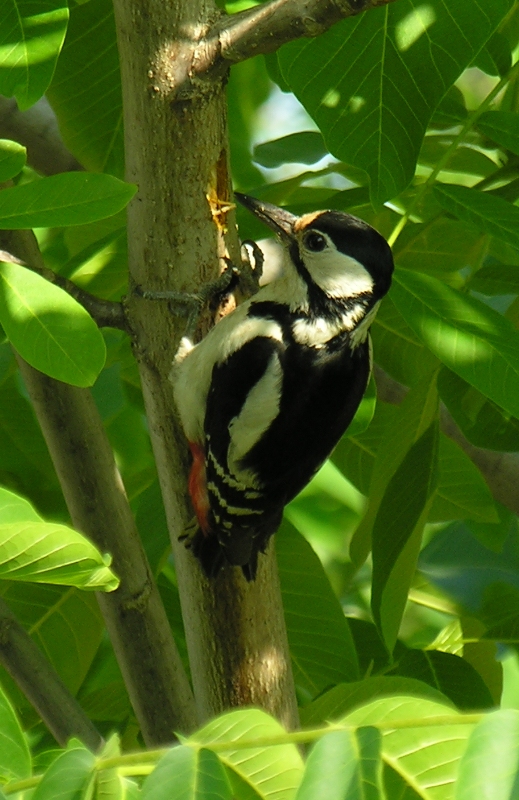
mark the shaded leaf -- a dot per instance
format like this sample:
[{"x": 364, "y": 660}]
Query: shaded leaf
[
  {"x": 487, "y": 212},
  {"x": 397, "y": 532},
  {"x": 470, "y": 338},
  {"x": 12, "y": 159},
  {"x": 305, "y": 147},
  {"x": 321, "y": 646},
  {"x": 483, "y": 422},
  {"x": 50, "y": 329},
  {"x": 496, "y": 278},
  {"x": 501, "y": 127},
  {"x": 72, "y": 198}
]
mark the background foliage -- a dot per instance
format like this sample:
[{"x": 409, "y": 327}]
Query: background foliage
[{"x": 410, "y": 122}]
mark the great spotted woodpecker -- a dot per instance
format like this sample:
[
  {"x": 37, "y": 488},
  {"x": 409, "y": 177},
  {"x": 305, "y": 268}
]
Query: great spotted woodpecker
[{"x": 266, "y": 396}]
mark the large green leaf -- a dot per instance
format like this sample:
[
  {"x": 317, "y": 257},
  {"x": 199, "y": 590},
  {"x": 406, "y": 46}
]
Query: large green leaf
[
  {"x": 425, "y": 757},
  {"x": 31, "y": 35},
  {"x": 271, "y": 771},
  {"x": 489, "y": 767},
  {"x": 14, "y": 508},
  {"x": 69, "y": 777},
  {"x": 335, "y": 703},
  {"x": 321, "y": 646},
  {"x": 86, "y": 89},
  {"x": 486, "y": 211},
  {"x": 305, "y": 147},
  {"x": 15, "y": 757},
  {"x": 187, "y": 774},
  {"x": 470, "y": 338},
  {"x": 333, "y": 769},
  {"x": 501, "y": 127},
  {"x": 72, "y": 198},
  {"x": 50, "y": 329},
  {"x": 373, "y": 81},
  {"x": 397, "y": 532},
  {"x": 45, "y": 552}
]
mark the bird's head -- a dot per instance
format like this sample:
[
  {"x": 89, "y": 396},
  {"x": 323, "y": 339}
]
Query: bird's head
[{"x": 338, "y": 253}]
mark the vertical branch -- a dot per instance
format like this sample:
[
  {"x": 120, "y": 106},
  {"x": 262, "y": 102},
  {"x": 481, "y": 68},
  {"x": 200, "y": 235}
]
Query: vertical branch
[{"x": 176, "y": 151}]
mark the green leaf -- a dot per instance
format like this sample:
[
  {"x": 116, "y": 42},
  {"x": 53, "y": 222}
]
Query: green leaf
[
  {"x": 365, "y": 411},
  {"x": 46, "y": 552},
  {"x": 72, "y": 198},
  {"x": 413, "y": 417},
  {"x": 332, "y": 769},
  {"x": 15, "y": 757},
  {"x": 321, "y": 646},
  {"x": 445, "y": 245},
  {"x": 450, "y": 674},
  {"x": 462, "y": 492},
  {"x": 69, "y": 777},
  {"x": 273, "y": 771},
  {"x": 335, "y": 703},
  {"x": 483, "y": 422},
  {"x": 12, "y": 159},
  {"x": 487, "y": 212},
  {"x": 14, "y": 508},
  {"x": 373, "y": 81},
  {"x": 31, "y": 35},
  {"x": 50, "y": 329},
  {"x": 65, "y": 623},
  {"x": 495, "y": 58},
  {"x": 187, "y": 774},
  {"x": 496, "y": 279},
  {"x": 305, "y": 147},
  {"x": 426, "y": 757},
  {"x": 109, "y": 783},
  {"x": 490, "y": 765},
  {"x": 501, "y": 127},
  {"x": 85, "y": 92},
  {"x": 397, "y": 532},
  {"x": 470, "y": 338}
]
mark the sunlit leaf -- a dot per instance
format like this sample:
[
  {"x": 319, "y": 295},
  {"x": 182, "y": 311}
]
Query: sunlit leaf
[
  {"x": 187, "y": 774},
  {"x": 332, "y": 769},
  {"x": 15, "y": 757},
  {"x": 486, "y": 211},
  {"x": 31, "y": 36},
  {"x": 50, "y": 329},
  {"x": 72, "y": 198},
  {"x": 46, "y": 552},
  {"x": 69, "y": 776},
  {"x": 490, "y": 765},
  {"x": 373, "y": 81}
]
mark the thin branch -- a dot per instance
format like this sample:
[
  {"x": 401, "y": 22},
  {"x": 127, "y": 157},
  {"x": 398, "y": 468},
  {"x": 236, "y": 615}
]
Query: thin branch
[
  {"x": 500, "y": 470},
  {"x": 266, "y": 27},
  {"x": 97, "y": 502},
  {"x": 42, "y": 686},
  {"x": 106, "y": 313}
]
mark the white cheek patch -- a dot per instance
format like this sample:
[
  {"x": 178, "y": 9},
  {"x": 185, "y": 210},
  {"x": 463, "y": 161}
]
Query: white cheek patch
[
  {"x": 259, "y": 410},
  {"x": 337, "y": 274}
]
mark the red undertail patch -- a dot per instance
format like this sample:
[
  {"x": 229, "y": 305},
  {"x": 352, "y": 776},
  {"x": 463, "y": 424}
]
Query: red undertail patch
[{"x": 198, "y": 487}]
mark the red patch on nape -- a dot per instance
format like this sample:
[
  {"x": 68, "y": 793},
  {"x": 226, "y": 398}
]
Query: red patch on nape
[{"x": 198, "y": 487}]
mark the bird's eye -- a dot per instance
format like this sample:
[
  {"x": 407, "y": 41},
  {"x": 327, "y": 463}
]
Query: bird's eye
[{"x": 314, "y": 241}]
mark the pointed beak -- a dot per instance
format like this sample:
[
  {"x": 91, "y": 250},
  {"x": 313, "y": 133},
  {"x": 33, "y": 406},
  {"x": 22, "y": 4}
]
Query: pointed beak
[{"x": 282, "y": 222}]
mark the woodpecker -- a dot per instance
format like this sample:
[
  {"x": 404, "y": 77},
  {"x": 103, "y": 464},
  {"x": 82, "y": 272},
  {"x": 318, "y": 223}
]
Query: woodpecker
[{"x": 267, "y": 394}]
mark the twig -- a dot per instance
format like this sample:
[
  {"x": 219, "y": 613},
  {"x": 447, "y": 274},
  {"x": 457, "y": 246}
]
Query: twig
[
  {"x": 42, "y": 686},
  {"x": 106, "y": 313}
]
